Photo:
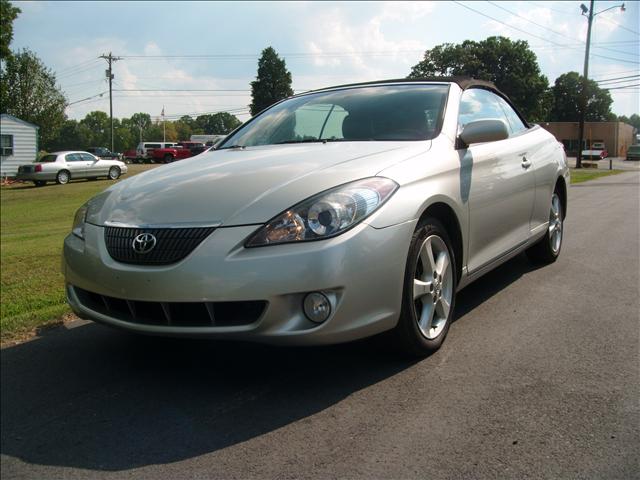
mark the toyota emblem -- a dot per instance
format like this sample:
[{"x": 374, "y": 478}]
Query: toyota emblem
[{"x": 144, "y": 243}]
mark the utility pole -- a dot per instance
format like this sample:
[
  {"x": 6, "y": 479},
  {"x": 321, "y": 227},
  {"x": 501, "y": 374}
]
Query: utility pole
[
  {"x": 585, "y": 84},
  {"x": 110, "y": 59},
  {"x": 585, "y": 76}
]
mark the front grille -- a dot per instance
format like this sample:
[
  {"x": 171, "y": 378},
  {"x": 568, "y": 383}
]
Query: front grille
[
  {"x": 172, "y": 244},
  {"x": 177, "y": 314}
]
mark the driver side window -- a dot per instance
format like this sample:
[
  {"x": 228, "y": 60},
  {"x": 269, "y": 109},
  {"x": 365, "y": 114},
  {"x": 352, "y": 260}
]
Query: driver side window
[{"x": 480, "y": 104}]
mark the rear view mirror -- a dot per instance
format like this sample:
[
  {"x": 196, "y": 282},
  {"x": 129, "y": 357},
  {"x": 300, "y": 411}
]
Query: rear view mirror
[{"x": 481, "y": 131}]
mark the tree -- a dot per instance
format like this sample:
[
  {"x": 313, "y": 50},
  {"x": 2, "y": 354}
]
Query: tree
[
  {"x": 28, "y": 91},
  {"x": 8, "y": 13},
  {"x": 510, "y": 65},
  {"x": 273, "y": 82},
  {"x": 218, "y": 123},
  {"x": 68, "y": 138},
  {"x": 184, "y": 127},
  {"x": 139, "y": 124},
  {"x": 99, "y": 126},
  {"x": 633, "y": 120},
  {"x": 566, "y": 100}
]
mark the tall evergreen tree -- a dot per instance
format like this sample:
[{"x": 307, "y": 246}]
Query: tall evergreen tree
[{"x": 273, "y": 82}]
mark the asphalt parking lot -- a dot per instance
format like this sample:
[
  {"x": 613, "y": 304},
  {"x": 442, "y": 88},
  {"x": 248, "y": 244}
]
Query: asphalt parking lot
[{"x": 539, "y": 378}]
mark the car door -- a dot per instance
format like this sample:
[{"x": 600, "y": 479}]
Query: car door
[
  {"x": 95, "y": 166},
  {"x": 537, "y": 151},
  {"x": 76, "y": 165},
  {"x": 501, "y": 185}
]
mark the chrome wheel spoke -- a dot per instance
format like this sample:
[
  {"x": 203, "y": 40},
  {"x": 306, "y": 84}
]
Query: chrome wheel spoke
[
  {"x": 443, "y": 307},
  {"x": 420, "y": 288},
  {"x": 442, "y": 265},
  {"x": 427, "y": 258},
  {"x": 426, "y": 319}
]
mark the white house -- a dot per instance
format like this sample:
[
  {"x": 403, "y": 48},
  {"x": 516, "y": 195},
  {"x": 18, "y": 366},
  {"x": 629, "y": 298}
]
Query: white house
[{"x": 18, "y": 144}]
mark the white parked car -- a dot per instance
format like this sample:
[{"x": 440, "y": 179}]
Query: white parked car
[
  {"x": 331, "y": 216},
  {"x": 62, "y": 167},
  {"x": 144, "y": 150}
]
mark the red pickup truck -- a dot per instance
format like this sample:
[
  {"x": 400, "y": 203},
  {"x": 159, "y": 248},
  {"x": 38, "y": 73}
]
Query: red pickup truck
[{"x": 178, "y": 152}]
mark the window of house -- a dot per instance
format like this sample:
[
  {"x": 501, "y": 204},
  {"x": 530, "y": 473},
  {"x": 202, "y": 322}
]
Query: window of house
[{"x": 6, "y": 145}]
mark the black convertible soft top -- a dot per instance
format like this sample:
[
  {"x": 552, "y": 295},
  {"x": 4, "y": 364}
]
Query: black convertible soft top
[{"x": 462, "y": 82}]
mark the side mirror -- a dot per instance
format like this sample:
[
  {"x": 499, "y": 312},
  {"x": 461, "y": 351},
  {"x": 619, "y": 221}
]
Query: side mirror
[{"x": 481, "y": 131}]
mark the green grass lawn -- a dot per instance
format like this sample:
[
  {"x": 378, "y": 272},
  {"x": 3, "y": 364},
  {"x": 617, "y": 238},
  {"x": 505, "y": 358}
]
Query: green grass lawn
[
  {"x": 584, "y": 174},
  {"x": 34, "y": 222}
]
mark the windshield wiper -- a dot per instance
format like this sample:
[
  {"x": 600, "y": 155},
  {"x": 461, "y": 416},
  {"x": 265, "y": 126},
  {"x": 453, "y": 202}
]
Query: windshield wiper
[
  {"x": 239, "y": 147},
  {"x": 306, "y": 140}
]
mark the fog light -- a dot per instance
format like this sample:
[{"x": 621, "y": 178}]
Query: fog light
[{"x": 317, "y": 307}]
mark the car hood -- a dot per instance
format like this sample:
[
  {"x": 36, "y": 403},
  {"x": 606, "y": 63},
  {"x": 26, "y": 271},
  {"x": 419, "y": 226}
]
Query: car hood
[{"x": 239, "y": 187}]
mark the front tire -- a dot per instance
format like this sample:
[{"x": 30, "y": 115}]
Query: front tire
[
  {"x": 63, "y": 177},
  {"x": 429, "y": 293},
  {"x": 114, "y": 173},
  {"x": 168, "y": 158},
  {"x": 548, "y": 247}
]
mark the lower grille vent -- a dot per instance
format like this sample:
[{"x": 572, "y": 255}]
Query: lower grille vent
[{"x": 179, "y": 314}]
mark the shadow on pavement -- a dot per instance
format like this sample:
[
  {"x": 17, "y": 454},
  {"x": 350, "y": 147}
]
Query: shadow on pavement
[{"x": 98, "y": 399}]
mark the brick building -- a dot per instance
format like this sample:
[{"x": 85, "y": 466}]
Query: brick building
[{"x": 617, "y": 136}]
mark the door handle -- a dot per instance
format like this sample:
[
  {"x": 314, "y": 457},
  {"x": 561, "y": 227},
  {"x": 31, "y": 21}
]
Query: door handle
[{"x": 525, "y": 163}]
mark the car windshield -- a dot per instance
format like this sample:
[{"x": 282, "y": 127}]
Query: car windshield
[
  {"x": 48, "y": 159},
  {"x": 372, "y": 113}
]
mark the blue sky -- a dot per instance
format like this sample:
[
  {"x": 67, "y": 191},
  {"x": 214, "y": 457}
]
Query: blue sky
[{"x": 323, "y": 43}]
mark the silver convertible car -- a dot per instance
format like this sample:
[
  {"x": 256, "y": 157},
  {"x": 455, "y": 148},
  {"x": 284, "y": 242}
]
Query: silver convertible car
[
  {"x": 331, "y": 216},
  {"x": 62, "y": 167}
]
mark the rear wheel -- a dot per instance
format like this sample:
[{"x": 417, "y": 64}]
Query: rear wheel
[
  {"x": 63, "y": 177},
  {"x": 428, "y": 298},
  {"x": 548, "y": 248},
  {"x": 114, "y": 173}
]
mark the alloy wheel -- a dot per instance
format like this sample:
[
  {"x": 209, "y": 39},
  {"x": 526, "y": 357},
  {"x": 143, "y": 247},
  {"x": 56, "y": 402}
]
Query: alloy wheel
[
  {"x": 555, "y": 224},
  {"x": 433, "y": 287}
]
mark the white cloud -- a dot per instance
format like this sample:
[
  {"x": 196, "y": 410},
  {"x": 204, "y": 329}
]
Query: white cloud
[{"x": 366, "y": 50}]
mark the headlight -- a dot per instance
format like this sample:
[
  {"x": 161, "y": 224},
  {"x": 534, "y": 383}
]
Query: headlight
[
  {"x": 78, "y": 222},
  {"x": 327, "y": 214}
]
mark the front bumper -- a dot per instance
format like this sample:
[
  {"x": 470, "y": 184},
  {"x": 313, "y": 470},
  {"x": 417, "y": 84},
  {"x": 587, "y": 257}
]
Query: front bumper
[{"x": 360, "y": 271}]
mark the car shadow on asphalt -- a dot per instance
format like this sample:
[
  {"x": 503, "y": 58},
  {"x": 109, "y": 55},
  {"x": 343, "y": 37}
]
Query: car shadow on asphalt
[{"x": 94, "y": 398}]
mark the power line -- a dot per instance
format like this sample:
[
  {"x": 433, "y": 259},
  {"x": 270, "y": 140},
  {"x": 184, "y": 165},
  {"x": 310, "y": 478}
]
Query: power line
[
  {"x": 507, "y": 25},
  {"x": 85, "y": 99},
  {"x": 620, "y": 25},
  {"x": 536, "y": 36},
  {"x": 607, "y": 80},
  {"x": 86, "y": 68},
  {"x": 615, "y": 59},
  {"x": 73, "y": 67},
  {"x": 555, "y": 31},
  {"x": 623, "y": 86},
  {"x": 620, "y": 73},
  {"x": 82, "y": 83}
]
